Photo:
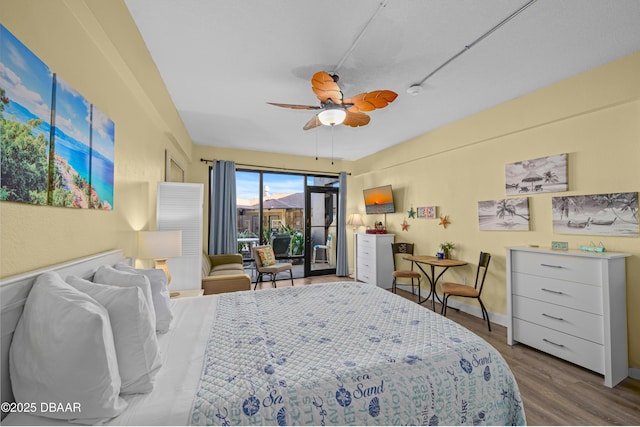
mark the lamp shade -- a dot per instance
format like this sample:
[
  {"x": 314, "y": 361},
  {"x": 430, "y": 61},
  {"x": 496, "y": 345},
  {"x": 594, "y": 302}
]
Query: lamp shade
[
  {"x": 355, "y": 220},
  {"x": 159, "y": 244},
  {"x": 332, "y": 117}
]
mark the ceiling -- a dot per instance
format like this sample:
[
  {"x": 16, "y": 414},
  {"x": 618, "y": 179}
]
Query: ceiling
[{"x": 223, "y": 60}]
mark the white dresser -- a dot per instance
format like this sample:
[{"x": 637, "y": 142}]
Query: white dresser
[
  {"x": 570, "y": 304},
  {"x": 374, "y": 259}
]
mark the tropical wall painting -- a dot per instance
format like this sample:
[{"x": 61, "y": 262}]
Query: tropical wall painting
[
  {"x": 543, "y": 175},
  {"x": 504, "y": 215},
  {"x": 614, "y": 214},
  {"x": 57, "y": 148}
]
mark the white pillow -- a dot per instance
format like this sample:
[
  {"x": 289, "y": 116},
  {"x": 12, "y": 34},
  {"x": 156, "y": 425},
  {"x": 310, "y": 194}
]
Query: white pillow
[
  {"x": 159, "y": 292},
  {"x": 133, "y": 333},
  {"x": 63, "y": 351},
  {"x": 108, "y": 275}
]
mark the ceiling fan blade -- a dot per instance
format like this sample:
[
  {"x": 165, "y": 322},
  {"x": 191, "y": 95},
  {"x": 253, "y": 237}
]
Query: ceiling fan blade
[
  {"x": 326, "y": 88},
  {"x": 356, "y": 119},
  {"x": 314, "y": 122},
  {"x": 369, "y": 101},
  {"x": 296, "y": 106}
]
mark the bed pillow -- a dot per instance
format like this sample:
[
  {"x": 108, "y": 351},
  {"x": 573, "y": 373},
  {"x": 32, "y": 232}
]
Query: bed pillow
[
  {"x": 133, "y": 333},
  {"x": 266, "y": 256},
  {"x": 107, "y": 275},
  {"x": 63, "y": 351},
  {"x": 159, "y": 293}
]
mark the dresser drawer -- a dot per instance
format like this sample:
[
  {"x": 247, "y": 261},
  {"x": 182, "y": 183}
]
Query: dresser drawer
[
  {"x": 573, "y": 322},
  {"x": 560, "y": 292},
  {"x": 575, "y": 269},
  {"x": 366, "y": 241},
  {"x": 581, "y": 352}
]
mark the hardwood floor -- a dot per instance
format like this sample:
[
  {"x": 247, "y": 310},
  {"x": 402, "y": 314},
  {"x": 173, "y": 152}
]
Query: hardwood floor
[{"x": 554, "y": 392}]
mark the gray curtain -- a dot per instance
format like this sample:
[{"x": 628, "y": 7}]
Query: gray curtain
[
  {"x": 223, "y": 225},
  {"x": 342, "y": 257}
]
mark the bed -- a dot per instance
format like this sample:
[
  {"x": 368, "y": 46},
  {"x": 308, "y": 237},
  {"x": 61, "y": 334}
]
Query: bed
[{"x": 344, "y": 353}]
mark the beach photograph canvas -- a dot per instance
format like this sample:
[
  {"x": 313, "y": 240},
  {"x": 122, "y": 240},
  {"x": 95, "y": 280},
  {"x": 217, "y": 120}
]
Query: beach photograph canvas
[
  {"x": 72, "y": 147},
  {"x": 102, "y": 160},
  {"x": 612, "y": 214},
  {"x": 504, "y": 214},
  {"x": 26, "y": 87},
  {"x": 542, "y": 175}
]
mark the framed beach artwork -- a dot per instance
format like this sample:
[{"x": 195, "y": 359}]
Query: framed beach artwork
[
  {"x": 504, "y": 215},
  {"x": 613, "y": 214},
  {"x": 58, "y": 148},
  {"x": 543, "y": 175},
  {"x": 428, "y": 212}
]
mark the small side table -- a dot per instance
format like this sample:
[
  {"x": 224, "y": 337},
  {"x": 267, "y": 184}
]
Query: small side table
[{"x": 186, "y": 293}]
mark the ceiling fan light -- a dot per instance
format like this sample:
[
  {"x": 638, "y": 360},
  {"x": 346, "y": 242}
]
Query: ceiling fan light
[{"x": 332, "y": 117}]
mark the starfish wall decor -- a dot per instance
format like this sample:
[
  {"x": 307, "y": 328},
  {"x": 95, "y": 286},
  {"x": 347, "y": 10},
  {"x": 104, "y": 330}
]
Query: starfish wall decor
[
  {"x": 412, "y": 213},
  {"x": 444, "y": 221},
  {"x": 405, "y": 225}
]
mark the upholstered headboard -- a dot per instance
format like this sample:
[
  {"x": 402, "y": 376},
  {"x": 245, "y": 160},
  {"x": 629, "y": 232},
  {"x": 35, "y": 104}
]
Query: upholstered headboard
[{"x": 13, "y": 294}]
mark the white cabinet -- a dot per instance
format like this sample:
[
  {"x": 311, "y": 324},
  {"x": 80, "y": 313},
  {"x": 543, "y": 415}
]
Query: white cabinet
[
  {"x": 572, "y": 305},
  {"x": 180, "y": 208},
  {"x": 374, "y": 259}
]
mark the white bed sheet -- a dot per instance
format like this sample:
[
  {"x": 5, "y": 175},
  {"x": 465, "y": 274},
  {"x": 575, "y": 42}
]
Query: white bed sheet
[{"x": 182, "y": 349}]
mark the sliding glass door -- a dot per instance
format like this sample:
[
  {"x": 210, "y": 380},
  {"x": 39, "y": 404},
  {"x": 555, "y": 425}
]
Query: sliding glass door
[{"x": 295, "y": 213}]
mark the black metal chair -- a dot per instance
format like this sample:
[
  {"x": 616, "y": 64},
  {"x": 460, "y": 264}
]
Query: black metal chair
[
  {"x": 466, "y": 291},
  {"x": 280, "y": 244},
  {"x": 404, "y": 249}
]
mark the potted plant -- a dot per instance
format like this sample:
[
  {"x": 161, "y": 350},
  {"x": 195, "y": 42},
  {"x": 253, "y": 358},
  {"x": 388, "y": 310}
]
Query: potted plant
[{"x": 445, "y": 248}]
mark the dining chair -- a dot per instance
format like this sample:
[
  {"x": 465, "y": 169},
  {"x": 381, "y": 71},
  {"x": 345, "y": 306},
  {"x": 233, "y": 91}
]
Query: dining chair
[
  {"x": 266, "y": 264},
  {"x": 466, "y": 291},
  {"x": 404, "y": 249}
]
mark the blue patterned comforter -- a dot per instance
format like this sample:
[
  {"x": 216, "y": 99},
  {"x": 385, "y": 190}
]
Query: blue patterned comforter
[{"x": 347, "y": 353}]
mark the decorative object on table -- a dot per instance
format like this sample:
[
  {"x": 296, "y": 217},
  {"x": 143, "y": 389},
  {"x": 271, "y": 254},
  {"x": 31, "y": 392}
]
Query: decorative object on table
[
  {"x": 543, "y": 175},
  {"x": 412, "y": 213},
  {"x": 159, "y": 246},
  {"x": 405, "y": 225},
  {"x": 445, "y": 249},
  {"x": 60, "y": 151},
  {"x": 591, "y": 247},
  {"x": 612, "y": 214},
  {"x": 380, "y": 226},
  {"x": 504, "y": 215},
  {"x": 559, "y": 246},
  {"x": 428, "y": 212},
  {"x": 444, "y": 221}
]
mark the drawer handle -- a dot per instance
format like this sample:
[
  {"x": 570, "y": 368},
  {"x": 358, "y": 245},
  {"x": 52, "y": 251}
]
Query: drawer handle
[
  {"x": 553, "y": 292},
  {"x": 551, "y": 265},
  {"x": 552, "y": 317},
  {"x": 551, "y": 342}
]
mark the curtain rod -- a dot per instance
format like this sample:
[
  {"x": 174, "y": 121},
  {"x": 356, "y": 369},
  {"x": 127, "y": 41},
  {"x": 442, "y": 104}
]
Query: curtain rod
[{"x": 279, "y": 168}]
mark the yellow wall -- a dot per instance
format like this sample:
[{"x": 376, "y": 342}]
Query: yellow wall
[
  {"x": 594, "y": 117},
  {"x": 95, "y": 47}
]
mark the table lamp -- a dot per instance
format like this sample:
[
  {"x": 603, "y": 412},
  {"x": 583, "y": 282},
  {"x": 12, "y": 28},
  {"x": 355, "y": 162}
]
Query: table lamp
[
  {"x": 355, "y": 220},
  {"x": 160, "y": 246}
]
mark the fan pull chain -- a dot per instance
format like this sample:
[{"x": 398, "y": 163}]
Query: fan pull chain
[
  {"x": 316, "y": 137},
  {"x": 332, "y": 127}
]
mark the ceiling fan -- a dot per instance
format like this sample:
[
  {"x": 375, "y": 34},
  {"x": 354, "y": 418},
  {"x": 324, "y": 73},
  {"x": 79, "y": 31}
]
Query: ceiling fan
[{"x": 334, "y": 109}]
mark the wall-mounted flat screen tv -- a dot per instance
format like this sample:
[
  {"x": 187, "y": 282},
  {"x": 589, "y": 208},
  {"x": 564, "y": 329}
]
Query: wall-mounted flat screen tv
[{"x": 379, "y": 200}]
